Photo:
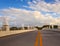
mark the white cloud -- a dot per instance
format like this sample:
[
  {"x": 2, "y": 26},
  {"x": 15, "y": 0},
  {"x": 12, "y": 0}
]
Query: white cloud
[
  {"x": 22, "y": 16},
  {"x": 42, "y": 5}
]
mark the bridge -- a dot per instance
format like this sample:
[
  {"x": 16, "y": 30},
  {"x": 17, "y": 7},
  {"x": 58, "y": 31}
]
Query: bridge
[{"x": 30, "y": 37}]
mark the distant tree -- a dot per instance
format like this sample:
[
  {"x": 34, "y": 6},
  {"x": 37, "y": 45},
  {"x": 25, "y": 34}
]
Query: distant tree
[
  {"x": 55, "y": 26},
  {"x": 50, "y": 26},
  {"x": 13, "y": 28},
  {"x": 25, "y": 28},
  {"x": 20, "y": 28},
  {"x": 46, "y": 26},
  {"x": 39, "y": 28}
]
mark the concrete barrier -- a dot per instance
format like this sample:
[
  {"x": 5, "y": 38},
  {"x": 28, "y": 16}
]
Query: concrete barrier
[{"x": 5, "y": 33}]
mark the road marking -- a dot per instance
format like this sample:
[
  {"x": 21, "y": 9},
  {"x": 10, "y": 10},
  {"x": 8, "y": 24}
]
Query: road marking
[{"x": 39, "y": 37}]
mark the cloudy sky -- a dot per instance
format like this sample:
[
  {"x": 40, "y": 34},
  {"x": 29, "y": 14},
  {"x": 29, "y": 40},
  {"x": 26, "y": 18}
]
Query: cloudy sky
[{"x": 30, "y": 12}]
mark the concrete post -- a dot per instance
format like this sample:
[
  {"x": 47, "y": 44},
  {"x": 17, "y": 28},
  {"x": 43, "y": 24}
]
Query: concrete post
[
  {"x": 49, "y": 27},
  {"x": 28, "y": 27},
  {"x": 6, "y": 25},
  {"x": 52, "y": 26},
  {"x": 23, "y": 26}
]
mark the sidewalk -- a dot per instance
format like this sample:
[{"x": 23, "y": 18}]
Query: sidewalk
[{"x": 5, "y": 33}]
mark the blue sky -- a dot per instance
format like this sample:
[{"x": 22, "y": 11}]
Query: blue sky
[
  {"x": 50, "y": 1},
  {"x": 40, "y": 11},
  {"x": 13, "y": 3},
  {"x": 18, "y": 3}
]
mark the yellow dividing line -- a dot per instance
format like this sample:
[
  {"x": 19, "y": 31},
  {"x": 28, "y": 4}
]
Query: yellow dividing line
[{"x": 39, "y": 37}]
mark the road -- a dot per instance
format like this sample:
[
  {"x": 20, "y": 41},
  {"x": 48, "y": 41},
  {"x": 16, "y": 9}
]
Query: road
[{"x": 49, "y": 38}]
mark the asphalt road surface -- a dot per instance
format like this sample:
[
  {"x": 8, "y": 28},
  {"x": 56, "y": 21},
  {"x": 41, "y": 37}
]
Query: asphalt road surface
[{"x": 49, "y": 38}]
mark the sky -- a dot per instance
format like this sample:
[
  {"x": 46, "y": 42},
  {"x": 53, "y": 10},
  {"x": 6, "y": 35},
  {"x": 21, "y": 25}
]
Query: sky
[{"x": 30, "y": 12}]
